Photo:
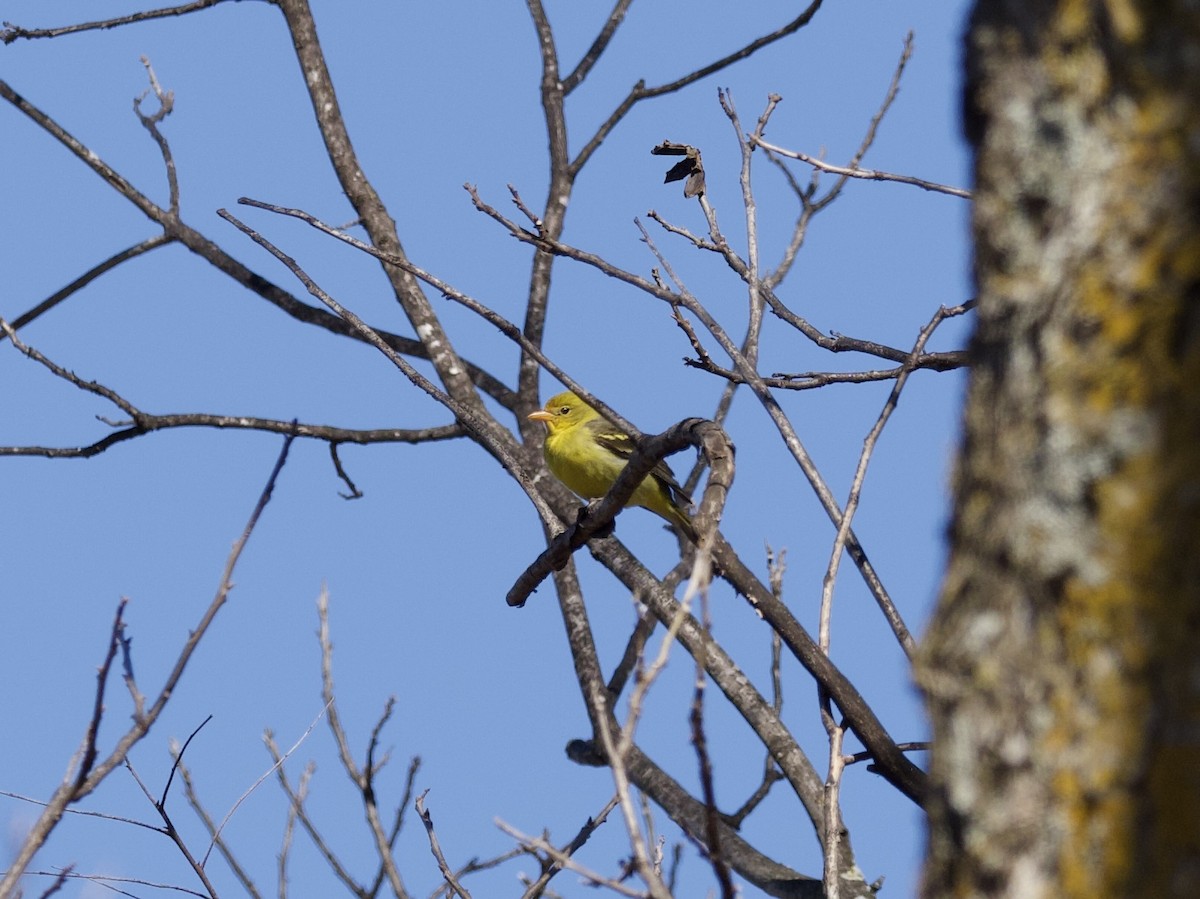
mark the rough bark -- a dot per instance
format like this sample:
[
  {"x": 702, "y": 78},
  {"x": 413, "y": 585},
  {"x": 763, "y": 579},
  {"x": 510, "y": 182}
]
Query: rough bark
[{"x": 1062, "y": 668}]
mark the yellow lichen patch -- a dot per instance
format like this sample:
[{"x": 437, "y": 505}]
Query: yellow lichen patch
[
  {"x": 1073, "y": 20},
  {"x": 1097, "y": 854},
  {"x": 1126, "y": 20}
]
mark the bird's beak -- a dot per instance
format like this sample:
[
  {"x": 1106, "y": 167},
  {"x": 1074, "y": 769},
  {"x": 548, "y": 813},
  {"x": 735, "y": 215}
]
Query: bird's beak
[{"x": 540, "y": 415}]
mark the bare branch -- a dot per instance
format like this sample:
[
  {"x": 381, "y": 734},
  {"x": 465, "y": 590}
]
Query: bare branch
[
  {"x": 13, "y": 32},
  {"x": 641, "y": 92},
  {"x": 262, "y": 777},
  {"x": 144, "y": 422},
  {"x": 166, "y": 105},
  {"x": 59, "y": 882},
  {"x": 888, "y": 99},
  {"x": 538, "y": 887},
  {"x": 177, "y": 230},
  {"x": 866, "y": 174},
  {"x": 832, "y": 872},
  {"x": 538, "y": 844},
  {"x": 296, "y": 799},
  {"x": 178, "y": 760},
  {"x": 88, "y": 751},
  {"x": 371, "y": 211},
  {"x": 734, "y": 684},
  {"x": 171, "y": 832},
  {"x": 72, "y": 790},
  {"x": 86, "y": 813},
  {"x": 599, "y": 45},
  {"x": 289, "y": 827},
  {"x": 109, "y": 881},
  {"x": 406, "y": 798},
  {"x": 152, "y": 243},
  {"x": 193, "y": 801},
  {"x": 907, "y": 643},
  {"x": 812, "y": 380},
  {"x": 836, "y": 343},
  {"x": 436, "y": 848},
  {"x": 776, "y": 566},
  {"x": 361, "y": 778},
  {"x": 712, "y": 836}
]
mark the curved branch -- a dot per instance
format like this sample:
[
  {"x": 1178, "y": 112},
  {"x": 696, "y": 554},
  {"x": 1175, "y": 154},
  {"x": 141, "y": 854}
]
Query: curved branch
[
  {"x": 151, "y": 243},
  {"x": 706, "y": 436}
]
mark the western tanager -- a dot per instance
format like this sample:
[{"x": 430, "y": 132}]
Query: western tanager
[{"x": 587, "y": 452}]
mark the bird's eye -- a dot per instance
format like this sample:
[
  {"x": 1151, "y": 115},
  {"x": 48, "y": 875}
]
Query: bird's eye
[{"x": 564, "y": 410}]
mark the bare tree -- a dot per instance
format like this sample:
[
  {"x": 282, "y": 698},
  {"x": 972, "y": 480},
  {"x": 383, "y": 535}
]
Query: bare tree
[{"x": 725, "y": 346}]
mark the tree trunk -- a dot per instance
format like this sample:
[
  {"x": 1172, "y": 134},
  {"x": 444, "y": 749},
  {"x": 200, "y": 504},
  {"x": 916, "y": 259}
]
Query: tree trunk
[{"x": 1062, "y": 668}]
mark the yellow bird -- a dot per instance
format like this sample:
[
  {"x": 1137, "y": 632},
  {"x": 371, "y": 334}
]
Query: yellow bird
[{"x": 587, "y": 453}]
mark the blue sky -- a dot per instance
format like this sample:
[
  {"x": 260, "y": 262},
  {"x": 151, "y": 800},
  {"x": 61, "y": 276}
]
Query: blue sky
[{"x": 436, "y": 95}]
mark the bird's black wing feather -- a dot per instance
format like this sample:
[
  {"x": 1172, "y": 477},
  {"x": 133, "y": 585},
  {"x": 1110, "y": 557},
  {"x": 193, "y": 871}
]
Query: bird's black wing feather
[{"x": 621, "y": 445}]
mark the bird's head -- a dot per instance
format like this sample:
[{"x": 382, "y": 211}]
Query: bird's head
[{"x": 562, "y": 411}]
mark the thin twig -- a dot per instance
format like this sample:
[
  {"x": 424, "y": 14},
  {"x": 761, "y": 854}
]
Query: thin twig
[
  {"x": 362, "y": 778},
  {"x": 436, "y": 848},
  {"x": 616, "y": 749},
  {"x": 177, "y": 230},
  {"x": 289, "y": 827},
  {"x": 151, "y": 243},
  {"x": 178, "y": 760},
  {"x": 166, "y": 105},
  {"x": 866, "y": 174},
  {"x": 907, "y": 643},
  {"x": 193, "y": 800},
  {"x": 71, "y": 790},
  {"x": 13, "y": 32},
  {"x": 482, "y": 427},
  {"x": 140, "y": 422},
  {"x": 712, "y": 834},
  {"x": 108, "y": 880},
  {"x": 59, "y": 882},
  {"x": 254, "y": 786},
  {"x": 171, "y": 831},
  {"x": 87, "y": 813},
  {"x": 538, "y": 887},
  {"x": 563, "y": 860},
  {"x": 406, "y": 798},
  {"x": 641, "y": 92},
  {"x": 296, "y": 803},
  {"x": 599, "y": 45}
]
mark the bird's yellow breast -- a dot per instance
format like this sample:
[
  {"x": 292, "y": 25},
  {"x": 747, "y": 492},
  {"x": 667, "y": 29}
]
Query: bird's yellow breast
[{"x": 578, "y": 465}]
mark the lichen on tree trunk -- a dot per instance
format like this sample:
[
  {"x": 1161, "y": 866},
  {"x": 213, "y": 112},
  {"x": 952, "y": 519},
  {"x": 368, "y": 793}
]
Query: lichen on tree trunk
[{"x": 1062, "y": 668}]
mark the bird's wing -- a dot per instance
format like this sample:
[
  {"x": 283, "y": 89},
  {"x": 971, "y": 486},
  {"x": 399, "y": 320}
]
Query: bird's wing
[{"x": 621, "y": 445}]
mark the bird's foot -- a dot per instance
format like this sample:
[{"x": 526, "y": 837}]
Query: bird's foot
[{"x": 586, "y": 511}]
